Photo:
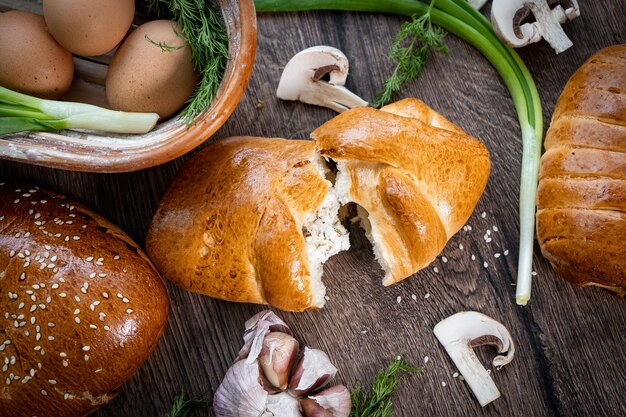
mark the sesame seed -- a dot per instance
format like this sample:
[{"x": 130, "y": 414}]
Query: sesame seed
[
  {"x": 427, "y": 295},
  {"x": 50, "y": 324},
  {"x": 52, "y": 381},
  {"x": 37, "y": 347},
  {"x": 38, "y": 336},
  {"x": 55, "y": 286},
  {"x": 414, "y": 297},
  {"x": 63, "y": 354},
  {"x": 119, "y": 295},
  {"x": 125, "y": 300},
  {"x": 107, "y": 328},
  {"x": 105, "y": 294},
  {"x": 43, "y": 392},
  {"x": 62, "y": 295},
  {"x": 426, "y": 359},
  {"x": 102, "y": 275},
  {"x": 66, "y": 396},
  {"x": 77, "y": 311},
  {"x": 32, "y": 320},
  {"x": 534, "y": 274},
  {"x": 86, "y": 348},
  {"x": 436, "y": 270},
  {"x": 77, "y": 320},
  {"x": 98, "y": 370},
  {"x": 496, "y": 255},
  {"x": 398, "y": 300},
  {"x": 76, "y": 238},
  {"x": 443, "y": 384},
  {"x": 33, "y": 308},
  {"x": 444, "y": 259},
  {"x": 65, "y": 363},
  {"x": 77, "y": 298},
  {"x": 483, "y": 214},
  {"x": 89, "y": 258},
  {"x": 461, "y": 246},
  {"x": 93, "y": 326},
  {"x": 506, "y": 252},
  {"x": 51, "y": 338},
  {"x": 495, "y": 228},
  {"x": 92, "y": 275},
  {"x": 87, "y": 357},
  {"x": 485, "y": 264},
  {"x": 116, "y": 257}
]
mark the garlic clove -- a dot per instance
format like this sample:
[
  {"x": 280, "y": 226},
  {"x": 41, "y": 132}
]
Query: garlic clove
[
  {"x": 240, "y": 394},
  {"x": 282, "y": 405},
  {"x": 312, "y": 371},
  {"x": 256, "y": 328},
  {"x": 277, "y": 358},
  {"x": 332, "y": 402}
]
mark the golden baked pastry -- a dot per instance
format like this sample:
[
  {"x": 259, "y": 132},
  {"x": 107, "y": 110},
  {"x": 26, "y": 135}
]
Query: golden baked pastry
[
  {"x": 253, "y": 219},
  {"x": 581, "y": 216},
  {"x": 81, "y": 307}
]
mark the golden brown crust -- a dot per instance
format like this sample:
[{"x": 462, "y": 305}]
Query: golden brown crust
[
  {"x": 387, "y": 154},
  {"x": 82, "y": 306},
  {"x": 581, "y": 221},
  {"x": 230, "y": 224}
]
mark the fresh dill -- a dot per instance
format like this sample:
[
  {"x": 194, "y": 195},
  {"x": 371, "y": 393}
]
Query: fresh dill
[
  {"x": 378, "y": 402},
  {"x": 410, "y": 50},
  {"x": 182, "y": 406},
  {"x": 164, "y": 47},
  {"x": 205, "y": 32}
]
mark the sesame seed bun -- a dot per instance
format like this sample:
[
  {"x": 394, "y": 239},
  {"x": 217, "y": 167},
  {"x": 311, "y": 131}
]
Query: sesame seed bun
[{"x": 81, "y": 306}]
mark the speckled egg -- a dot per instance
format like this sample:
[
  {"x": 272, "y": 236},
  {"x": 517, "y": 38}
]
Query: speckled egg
[
  {"x": 31, "y": 61},
  {"x": 152, "y": 70},
  {"x": 89, "y": 27}
]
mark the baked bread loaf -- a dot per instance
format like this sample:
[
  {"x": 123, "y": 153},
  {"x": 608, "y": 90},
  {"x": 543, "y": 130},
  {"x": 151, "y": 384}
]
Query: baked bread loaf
[
  {"x": 250, "y": 220},
  {"x": 253, "y": 219},
  {"x": 415, "y": 177},
  {"x": 581, "y": 201},
  {"x": 81, "y": 306}
]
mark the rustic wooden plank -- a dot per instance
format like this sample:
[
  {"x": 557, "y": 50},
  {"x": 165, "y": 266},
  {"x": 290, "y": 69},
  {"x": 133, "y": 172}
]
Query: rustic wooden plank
[{"x": 570, "y": 342}]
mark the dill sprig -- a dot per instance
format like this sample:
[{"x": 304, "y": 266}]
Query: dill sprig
[
  {"x": 182, "y": 406},
  {"x": 410, "y": 49},
  {"x": 205, "y": 32},
  {"x": 378, "y": 402}
]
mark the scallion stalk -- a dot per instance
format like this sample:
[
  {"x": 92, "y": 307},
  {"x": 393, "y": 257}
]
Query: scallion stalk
[
  {"x": 20, "y": 112},
  {"x": 460, "y": 19}
]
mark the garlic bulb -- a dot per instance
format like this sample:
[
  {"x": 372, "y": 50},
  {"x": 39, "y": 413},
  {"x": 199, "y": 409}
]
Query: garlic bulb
[{"x": 256, "y": 384}]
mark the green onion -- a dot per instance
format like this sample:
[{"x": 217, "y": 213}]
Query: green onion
[
  {"x": 460, "y": 19},
  {"x": 20, "y": 112}
]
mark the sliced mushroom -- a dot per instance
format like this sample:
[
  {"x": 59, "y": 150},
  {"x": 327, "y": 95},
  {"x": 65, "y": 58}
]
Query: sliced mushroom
[
  {"x": 463, "y": 331},
  {"x": 507, "y": 17},
  {"x": 303, "y": 79}
]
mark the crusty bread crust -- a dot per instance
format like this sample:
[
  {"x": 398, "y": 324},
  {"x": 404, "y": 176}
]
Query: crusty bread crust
[
  {"x": 230, "y": 224},
  {"x": 581, "y": 217},
  {"x": 81, "y": 305},
  {"x": 418, "y": 183}
]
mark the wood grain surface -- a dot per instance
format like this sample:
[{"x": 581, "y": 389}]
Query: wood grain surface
[{"x": 571, "y": 342}]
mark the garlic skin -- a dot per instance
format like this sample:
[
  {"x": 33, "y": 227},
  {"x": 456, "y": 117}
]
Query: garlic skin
[
  {"x": 282, "y": 405},
  {"x": 332, "y": 402},
  {"x": 257, "y": 327},
  {"x": 277, "y": 358},
  {"x": 312, "y": 371},
  {"x": 240, "y": 394}
]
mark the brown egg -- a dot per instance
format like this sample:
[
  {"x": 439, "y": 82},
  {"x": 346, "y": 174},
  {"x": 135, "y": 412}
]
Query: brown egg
[
  {"x": 152, "y": 70},
  {"x": 89, "y": 27},
  {"x": 31, "y": 61}
]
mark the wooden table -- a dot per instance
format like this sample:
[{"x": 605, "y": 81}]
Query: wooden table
[{"x": 571, "y": 342}]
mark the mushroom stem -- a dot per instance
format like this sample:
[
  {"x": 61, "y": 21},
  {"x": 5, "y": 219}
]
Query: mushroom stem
[{"x": 461, "y": 332}]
